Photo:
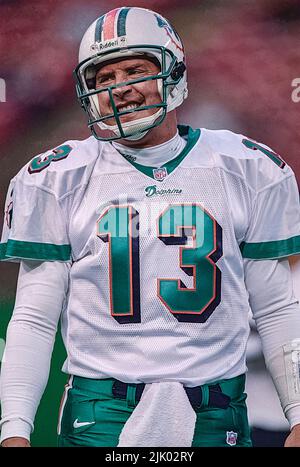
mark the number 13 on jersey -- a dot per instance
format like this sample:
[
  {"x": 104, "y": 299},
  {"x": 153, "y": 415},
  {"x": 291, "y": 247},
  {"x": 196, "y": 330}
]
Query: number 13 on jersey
[{"x": 119, "y": 227}]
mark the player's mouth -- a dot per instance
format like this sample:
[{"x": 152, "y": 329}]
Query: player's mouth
[{"x": 128, "y": 106}]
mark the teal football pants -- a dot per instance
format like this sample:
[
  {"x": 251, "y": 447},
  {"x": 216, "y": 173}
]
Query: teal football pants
[{"x": 92, "y": 415}]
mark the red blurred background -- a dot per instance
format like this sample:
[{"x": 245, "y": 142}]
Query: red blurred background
[{"x": 242, "y": 56}]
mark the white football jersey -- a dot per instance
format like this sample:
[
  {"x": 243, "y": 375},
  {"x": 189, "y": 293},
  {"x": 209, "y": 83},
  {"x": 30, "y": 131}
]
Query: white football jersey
[{"x": 156, "y": 289}]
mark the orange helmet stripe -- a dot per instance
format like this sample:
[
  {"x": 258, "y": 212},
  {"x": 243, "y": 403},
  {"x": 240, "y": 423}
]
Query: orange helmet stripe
[{"x": 109, "y": 24}]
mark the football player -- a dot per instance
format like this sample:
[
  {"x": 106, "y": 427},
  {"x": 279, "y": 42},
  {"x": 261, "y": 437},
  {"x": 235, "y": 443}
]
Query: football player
[{"x": 150, "y": 240}]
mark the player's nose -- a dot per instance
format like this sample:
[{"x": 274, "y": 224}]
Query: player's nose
[
  {"x": 123, "y": 88},
  {"x": 121, "y": 91}
]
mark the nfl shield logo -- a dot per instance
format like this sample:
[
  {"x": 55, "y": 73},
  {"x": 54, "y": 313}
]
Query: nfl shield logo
[
  {"x": 231, "y": 437},
  {"x": 160, "y": 174}
]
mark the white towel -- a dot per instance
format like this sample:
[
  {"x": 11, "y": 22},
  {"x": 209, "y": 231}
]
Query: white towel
[{"x": 163, "y": 417}]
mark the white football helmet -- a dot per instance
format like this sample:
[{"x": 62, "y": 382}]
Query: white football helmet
[{"x": 130, "y": 32}]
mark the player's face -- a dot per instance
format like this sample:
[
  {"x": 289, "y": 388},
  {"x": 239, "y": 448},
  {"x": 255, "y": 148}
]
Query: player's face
[{"x": 128, "y": 96}]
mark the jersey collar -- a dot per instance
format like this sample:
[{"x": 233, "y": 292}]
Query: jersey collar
[{"x": 192, "y": 136}]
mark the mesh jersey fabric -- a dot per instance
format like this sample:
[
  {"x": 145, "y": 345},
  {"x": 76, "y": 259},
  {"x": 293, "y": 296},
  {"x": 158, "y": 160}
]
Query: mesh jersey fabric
[{"x": 230, "y": 196}]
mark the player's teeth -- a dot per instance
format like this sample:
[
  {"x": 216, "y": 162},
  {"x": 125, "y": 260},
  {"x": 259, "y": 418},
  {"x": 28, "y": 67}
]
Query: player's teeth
[{"x": 128, "y": 107}]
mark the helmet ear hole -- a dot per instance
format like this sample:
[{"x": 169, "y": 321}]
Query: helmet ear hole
[{"x": 178, "y": 71}]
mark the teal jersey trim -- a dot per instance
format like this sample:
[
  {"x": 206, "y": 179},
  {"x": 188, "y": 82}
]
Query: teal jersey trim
[
  {"x": 2, "y": 250},
  {"x": 32, "y": 250},
  {"x": 192, "y": 138},
  {"x": 271, "y": 250}
]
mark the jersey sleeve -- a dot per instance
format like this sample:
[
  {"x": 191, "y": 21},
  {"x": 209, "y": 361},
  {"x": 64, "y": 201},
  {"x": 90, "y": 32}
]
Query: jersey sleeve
[
  {"x": 34, "y": 225},
  {"x": 274, "y": 230}
]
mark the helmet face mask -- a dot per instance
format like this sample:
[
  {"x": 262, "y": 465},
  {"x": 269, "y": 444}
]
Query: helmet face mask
[{"x": 171, "y": 77}]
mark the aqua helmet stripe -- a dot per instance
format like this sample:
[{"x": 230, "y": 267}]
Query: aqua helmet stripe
[
  {"x": 98, "y": 30},
  {"x": 121, "y": 26}
]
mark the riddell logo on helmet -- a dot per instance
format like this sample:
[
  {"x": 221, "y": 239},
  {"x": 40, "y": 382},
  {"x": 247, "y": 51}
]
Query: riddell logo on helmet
[{"x": 117, "y": 42}]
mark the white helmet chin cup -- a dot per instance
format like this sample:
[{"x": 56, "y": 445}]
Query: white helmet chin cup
[
  {"x": 127, "y": 32},
  {"x": 140, "y": 126}
]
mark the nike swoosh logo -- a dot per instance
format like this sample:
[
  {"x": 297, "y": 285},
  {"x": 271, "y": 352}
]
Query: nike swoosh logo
[{"x": 78, "y": 424}]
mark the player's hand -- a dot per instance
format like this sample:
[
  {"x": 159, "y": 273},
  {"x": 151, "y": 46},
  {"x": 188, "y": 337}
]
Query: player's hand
[
  {"x": 293, "y": 440},
  {"x": 15, "y": 442}
]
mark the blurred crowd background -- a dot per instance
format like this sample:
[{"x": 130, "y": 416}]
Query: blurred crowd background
[{"x": 242, "y": 57}]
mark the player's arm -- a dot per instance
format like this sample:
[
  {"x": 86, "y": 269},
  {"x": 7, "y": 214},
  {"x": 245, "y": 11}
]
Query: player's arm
[
  {"x": 16, "y": 442},
  {"x": 41, "y": 294},
  {"x": 277, "y": 315},
  {"x": 273, "y": 235}
]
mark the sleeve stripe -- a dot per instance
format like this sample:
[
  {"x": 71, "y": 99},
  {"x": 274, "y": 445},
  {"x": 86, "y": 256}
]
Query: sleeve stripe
[
  {"x": 2, "y": 250},
  {"x": 32, "y": 250},
  {"x": 271, "y": 250}
]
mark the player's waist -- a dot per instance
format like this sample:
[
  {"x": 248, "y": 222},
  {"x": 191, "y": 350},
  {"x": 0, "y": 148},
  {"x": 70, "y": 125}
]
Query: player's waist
[{"x": 216, "y": 394}]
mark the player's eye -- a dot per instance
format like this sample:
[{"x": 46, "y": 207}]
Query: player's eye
[
  {"x": 136, "y": 71},
  {"x": 104, "y": 79}
]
